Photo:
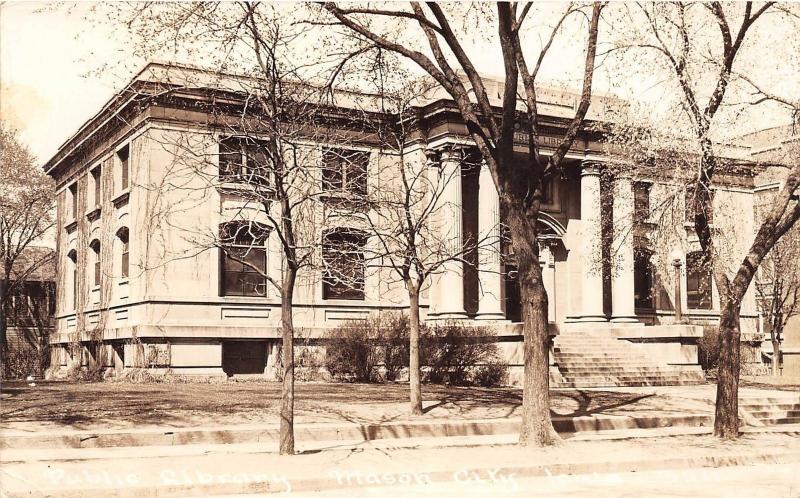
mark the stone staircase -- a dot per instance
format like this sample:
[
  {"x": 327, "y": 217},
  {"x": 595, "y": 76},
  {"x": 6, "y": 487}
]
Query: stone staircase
[
  {"x": 759, "y": 411},
  {"x": 595, "y": 359}
]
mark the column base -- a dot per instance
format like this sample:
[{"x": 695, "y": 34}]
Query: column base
[
  {"x": 588, "y": 319},
  {"x": 625, "y": 319},
  {"x": 497, "y": 317},
  {"x": 449, "y": 316}
]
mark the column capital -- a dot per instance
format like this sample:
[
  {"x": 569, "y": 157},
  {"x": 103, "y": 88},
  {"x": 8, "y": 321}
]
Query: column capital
[
  {"x": 624, "y": 176},
  {"x": 589, "y": 167},
  {"x": 453, "y": 152}
]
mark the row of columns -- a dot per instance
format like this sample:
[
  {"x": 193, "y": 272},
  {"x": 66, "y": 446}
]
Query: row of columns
[{"x": 447, "y": 292}]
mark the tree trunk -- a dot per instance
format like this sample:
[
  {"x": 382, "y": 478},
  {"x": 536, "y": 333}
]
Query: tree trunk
[
  {"x": 726, "y": 416},
  {"x": 776, "y": 357},
  {"x": 287, "y": 354},
  {"x": 537, "y": 427},
  {"x": 3, "y": 325},
  {"x": 413, "y": 352}
]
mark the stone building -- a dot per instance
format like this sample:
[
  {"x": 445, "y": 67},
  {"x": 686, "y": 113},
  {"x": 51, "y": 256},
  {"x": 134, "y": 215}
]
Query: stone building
[{"x": 129, "y": 301}]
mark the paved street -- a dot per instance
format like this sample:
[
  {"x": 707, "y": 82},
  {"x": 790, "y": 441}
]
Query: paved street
[
  {"x": 573, "y": 467},
  {"x": 756, "y": 481}
]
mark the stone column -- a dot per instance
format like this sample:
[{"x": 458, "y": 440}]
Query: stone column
[
  {"x": 450, "y": 290},
  {"x": 548, "y": 264},
  {"x": 622, "y": 289},
  {"x": 591, "y": 240},
  {"x": 434, "y": 223},
  {"x": 489, "y": 270}
]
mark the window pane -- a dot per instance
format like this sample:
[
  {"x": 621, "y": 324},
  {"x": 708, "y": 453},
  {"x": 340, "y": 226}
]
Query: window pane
[
  {"x": 253, "y": 285},
  {"x": 343, "y": 259},
  {"x": 231, "y": 261},
  {"x": 125, "y": 263},
  {"x": 97, "y": 185},
  {"x": 123, "y": 156},
  {"x": 244, "y": 233},
  {"x": 258, "y": 165},
  {"x": 332, "y": 175},
  {"x": 698, "y": 282},
  {"x": 355, "y": 166},
  {"x": 97, "y": 271},
  {"x": 231, "y": 283},
  {"x": 230, "y": 158},
  {"x": 642, "y": 280},
  {"x": 257, "y": 258}
]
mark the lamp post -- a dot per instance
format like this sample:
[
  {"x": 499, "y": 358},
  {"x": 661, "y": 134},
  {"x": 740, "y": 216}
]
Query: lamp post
[{"x": 677, "y": 262}]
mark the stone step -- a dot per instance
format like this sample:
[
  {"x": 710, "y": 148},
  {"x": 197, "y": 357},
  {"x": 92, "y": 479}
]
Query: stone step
[
  {"x": 605, "y": 363},
  {"x": 618, "y": 370},
  {"x": 602, "y": 356},
  {"x": 616, "y": 379},
  {"x": 634, "y": 366},
  {"x": 782, "y": 420},
  {"x": 774, "y": 414},
  {"x": 580, "y": 384}
]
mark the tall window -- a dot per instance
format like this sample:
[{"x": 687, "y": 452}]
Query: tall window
[
  {"x": 244, "y": 159},
  {"x": 641, "y": 200},
  {"x": 642, "y": 278},
  {"x": 98, "y": 186},
  {"x": 123, "y": 156},
  {"x": 243, "y": 259},
  {"x": 95, "y": 247},
  {"x": 345, "y": 172},
  {"x": 698, "y": 281},
  {"x": 73, "y": 197},
  {"x": 122, "y": 235},
  {"x": 689, "y": 205},
  {"x": 343, "y": 261},
  {"x": 73, "y": 257}
]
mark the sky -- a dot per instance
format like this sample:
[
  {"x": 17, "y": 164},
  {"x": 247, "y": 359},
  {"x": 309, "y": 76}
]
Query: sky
[
  {"x": 57, "y": 69},
  {"x": 44, "y": 92}
]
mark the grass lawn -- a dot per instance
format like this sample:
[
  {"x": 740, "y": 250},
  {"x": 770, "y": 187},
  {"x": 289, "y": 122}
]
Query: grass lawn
[{"x": 120, "y": 404}]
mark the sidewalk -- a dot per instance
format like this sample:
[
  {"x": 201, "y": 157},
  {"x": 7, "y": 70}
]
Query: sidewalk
[
  {"x": 326, "y": 433},
  {"x": 201, "y": 475}
]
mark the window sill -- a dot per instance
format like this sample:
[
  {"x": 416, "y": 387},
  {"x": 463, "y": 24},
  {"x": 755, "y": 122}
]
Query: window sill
[
  {"x": 93, "y": 214},
  {"x": 71, "y": 225},
  {"x": 123, "y": 282},
  {"x": 246, "y": 299},
  {"x": 344, "y": 300},
  {"x": 345, "y": 201},
  {"x": 122, "y": 198},
  {"x": 244, "y": 187}
]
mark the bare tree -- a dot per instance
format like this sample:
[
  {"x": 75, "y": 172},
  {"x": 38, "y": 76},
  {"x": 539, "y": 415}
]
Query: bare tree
[
  {"x": 407, "y": 216},
  {"x": 520, "y": 183},
  {"x": 699, "y": 45},
  {"x": 778, "y": 286},
  {"x": 281, "y": 156},
  {"x": 26, "y": 215}
]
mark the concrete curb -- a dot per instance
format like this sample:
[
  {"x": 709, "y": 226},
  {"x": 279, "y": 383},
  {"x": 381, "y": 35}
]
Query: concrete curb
[
  {"x": 333, "y": 432},
  {"x": 354, "y": 481}
]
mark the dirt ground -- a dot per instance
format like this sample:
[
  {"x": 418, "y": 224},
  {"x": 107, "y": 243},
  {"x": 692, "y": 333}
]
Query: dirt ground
[{"x": 119, "y": 405}]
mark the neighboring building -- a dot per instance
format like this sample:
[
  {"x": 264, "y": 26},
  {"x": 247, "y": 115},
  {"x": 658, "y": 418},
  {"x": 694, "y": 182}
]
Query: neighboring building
[
  {"x": 781, "y": 147},
  {"x": 202, "y": 314},
  {"x": 31, "y": 309}
]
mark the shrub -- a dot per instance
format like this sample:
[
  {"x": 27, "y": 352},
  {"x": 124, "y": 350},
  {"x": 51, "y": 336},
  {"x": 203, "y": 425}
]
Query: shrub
[
  {"x": 20, "y": 362},
  {"x": 357, "y": 350},
  {"x": 492, "y": 374},
  {"x": 708, "y": 348},
  {"x": 452, "y": 352},
  {"x": 395, "y": 348},
  {"x": 351, "y": 352}
]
